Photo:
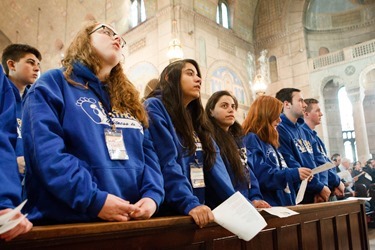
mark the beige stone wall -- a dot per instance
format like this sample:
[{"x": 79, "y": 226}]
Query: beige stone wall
[
  {"x": 279, "y": 30},
  {"x": 276, "y": 25},
  {"x": 202, "y": 39}
]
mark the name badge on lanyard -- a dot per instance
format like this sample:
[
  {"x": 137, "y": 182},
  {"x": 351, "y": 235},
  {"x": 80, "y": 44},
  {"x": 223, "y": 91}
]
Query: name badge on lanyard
[
  {"x": 197, "y": 175},
  {"x": 115, "y": 144}
]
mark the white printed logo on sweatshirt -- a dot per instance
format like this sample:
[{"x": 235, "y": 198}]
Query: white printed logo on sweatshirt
[
  {"x": 243, "y": 155},
  {"x": 95, "y": 111},
  {"x": 303, "y": 146},
  {"x": 271, "y": 155},
  {"x": 19, "y": 128},
  {"x": 198, "y": 144}
]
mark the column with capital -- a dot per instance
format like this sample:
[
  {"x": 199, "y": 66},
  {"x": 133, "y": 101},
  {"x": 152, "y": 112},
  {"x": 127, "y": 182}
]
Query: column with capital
[{"x": 356, "y": 96}]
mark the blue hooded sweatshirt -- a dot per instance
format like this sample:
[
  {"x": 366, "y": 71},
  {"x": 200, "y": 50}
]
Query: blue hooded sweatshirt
[
  {"x": 19, "y": 108},
  {"x": 276, "y": 180},
  {"x": 251, "y": 191},
  {"x": 69, "y": 172},
  {"x": 18, "y": 103},
  {"x": 180, "y": 196},
  {"x": 321, "y": 157},
  {"x": 10, "y": 190},
  {"x": 295, "y": 146}
]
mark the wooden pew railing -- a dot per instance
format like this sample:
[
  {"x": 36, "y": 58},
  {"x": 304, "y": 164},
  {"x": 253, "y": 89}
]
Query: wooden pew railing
[{"x": 332, "y": 225}]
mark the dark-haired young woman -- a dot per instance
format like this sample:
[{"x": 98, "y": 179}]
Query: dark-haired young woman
[
  {"x": 221, "y": 109},
  {"x": 189, "y": 159}
]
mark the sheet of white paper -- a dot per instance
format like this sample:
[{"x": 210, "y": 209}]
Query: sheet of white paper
[
  {"x": 302, "y": 188},
  {"x": 280, "y": 212},
  {"x": 368, "y": 177},
  {"x": 344, "y": 174},
  {"x": 11, "y": 224},
  {"x": 322, "y": 168},
  {"x": 359, "y": 198},
  {"x": 6, "y": 217},
  {"x": 238, "y": 216},
  {"x": 301, "y": 191}
]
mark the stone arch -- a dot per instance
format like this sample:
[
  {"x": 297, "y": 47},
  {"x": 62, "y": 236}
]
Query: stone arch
[
  {"x": 238, "y": 86},
  {"x": 323, "y": 51},
  {"x": 141, "y": 73},
  {"x": 274, "y": 75},
  {"x": 229, "y": 73}
]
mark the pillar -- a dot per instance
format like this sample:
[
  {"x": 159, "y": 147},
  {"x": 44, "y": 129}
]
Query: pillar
[{"x": 356, "y": 96}]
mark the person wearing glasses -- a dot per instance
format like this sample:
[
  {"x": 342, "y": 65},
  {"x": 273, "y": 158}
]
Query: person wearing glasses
[
  {"x": 88, "y": 151},
  {"x": 195, "y": 178}
]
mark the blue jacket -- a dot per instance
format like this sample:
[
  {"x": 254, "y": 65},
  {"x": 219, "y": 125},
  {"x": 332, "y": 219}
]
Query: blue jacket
[
  {"x": 18, "y": 103},
  {"x": 10, "y": 190},
  {"x": 180, "y": 196},
  {"x": 296, "y": 148},
  {"x": 69, "y": 172},
  {"x": 276, "y": 180},
  {"x": 252, "y": 191},
  {"x": 321, "y": 157}
]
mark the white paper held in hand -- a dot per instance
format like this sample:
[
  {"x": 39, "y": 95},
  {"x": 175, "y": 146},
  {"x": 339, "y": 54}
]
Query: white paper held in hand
[
  {"x": 6, "y": 217},
  {"x": 11, "y": 224},
  {"x": 238, "y": 216},
  {"x": 301, "y": 192}
]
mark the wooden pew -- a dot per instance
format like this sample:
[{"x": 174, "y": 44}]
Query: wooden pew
[{"x": 332, "y": 225}]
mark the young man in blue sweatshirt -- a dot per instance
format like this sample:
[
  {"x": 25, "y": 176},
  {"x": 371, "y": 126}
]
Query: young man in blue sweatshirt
[
  {"x": 295, "y": 143},
  {"x": 312, "y": 118},
  {"x": 21, "y": 64},
  {"x": 10, "y": 191}
]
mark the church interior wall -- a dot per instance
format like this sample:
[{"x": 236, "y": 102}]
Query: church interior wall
[
  {"x": 335, "y": 40},
  {"x": 278, "y": 26}
]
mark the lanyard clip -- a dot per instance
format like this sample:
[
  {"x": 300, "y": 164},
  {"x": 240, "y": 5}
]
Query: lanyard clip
[{"x": 113, "y": 126}]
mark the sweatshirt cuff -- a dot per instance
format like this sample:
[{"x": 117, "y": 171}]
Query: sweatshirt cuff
[
  {"x": 158, "y": 199},
  {"x": 97, "y": 204},
  {"x": 190, "y": 206}
]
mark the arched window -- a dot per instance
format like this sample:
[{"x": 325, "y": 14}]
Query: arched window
[
  {"x": 138, "y": 12},
  {"x": 347, "y": 124},
  {"x": 273, "y": 69},
  {"x": 323, "y": 51},
  {"x": 222, "y": 14}
]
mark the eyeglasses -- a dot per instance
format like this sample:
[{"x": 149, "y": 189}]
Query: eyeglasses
[{"x": 109, "y": 32}]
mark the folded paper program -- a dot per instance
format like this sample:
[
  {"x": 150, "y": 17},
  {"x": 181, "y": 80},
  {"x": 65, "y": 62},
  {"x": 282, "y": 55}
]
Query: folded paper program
[
  {"x": 6, "y": 222},
  {"x": 281, "y": 212},
  {"x": 301, "y": 192},
  {"x": 238, "y": 216}
]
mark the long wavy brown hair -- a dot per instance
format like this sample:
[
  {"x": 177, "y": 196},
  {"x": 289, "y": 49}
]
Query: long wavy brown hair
[
  {"x": 123, "y": 95},
  {"x": 228, "y": 141},
  {"x": 263, "y": 111}
]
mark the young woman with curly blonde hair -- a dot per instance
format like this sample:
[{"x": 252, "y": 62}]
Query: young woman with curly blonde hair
[{"x": 87, "y": 146}]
